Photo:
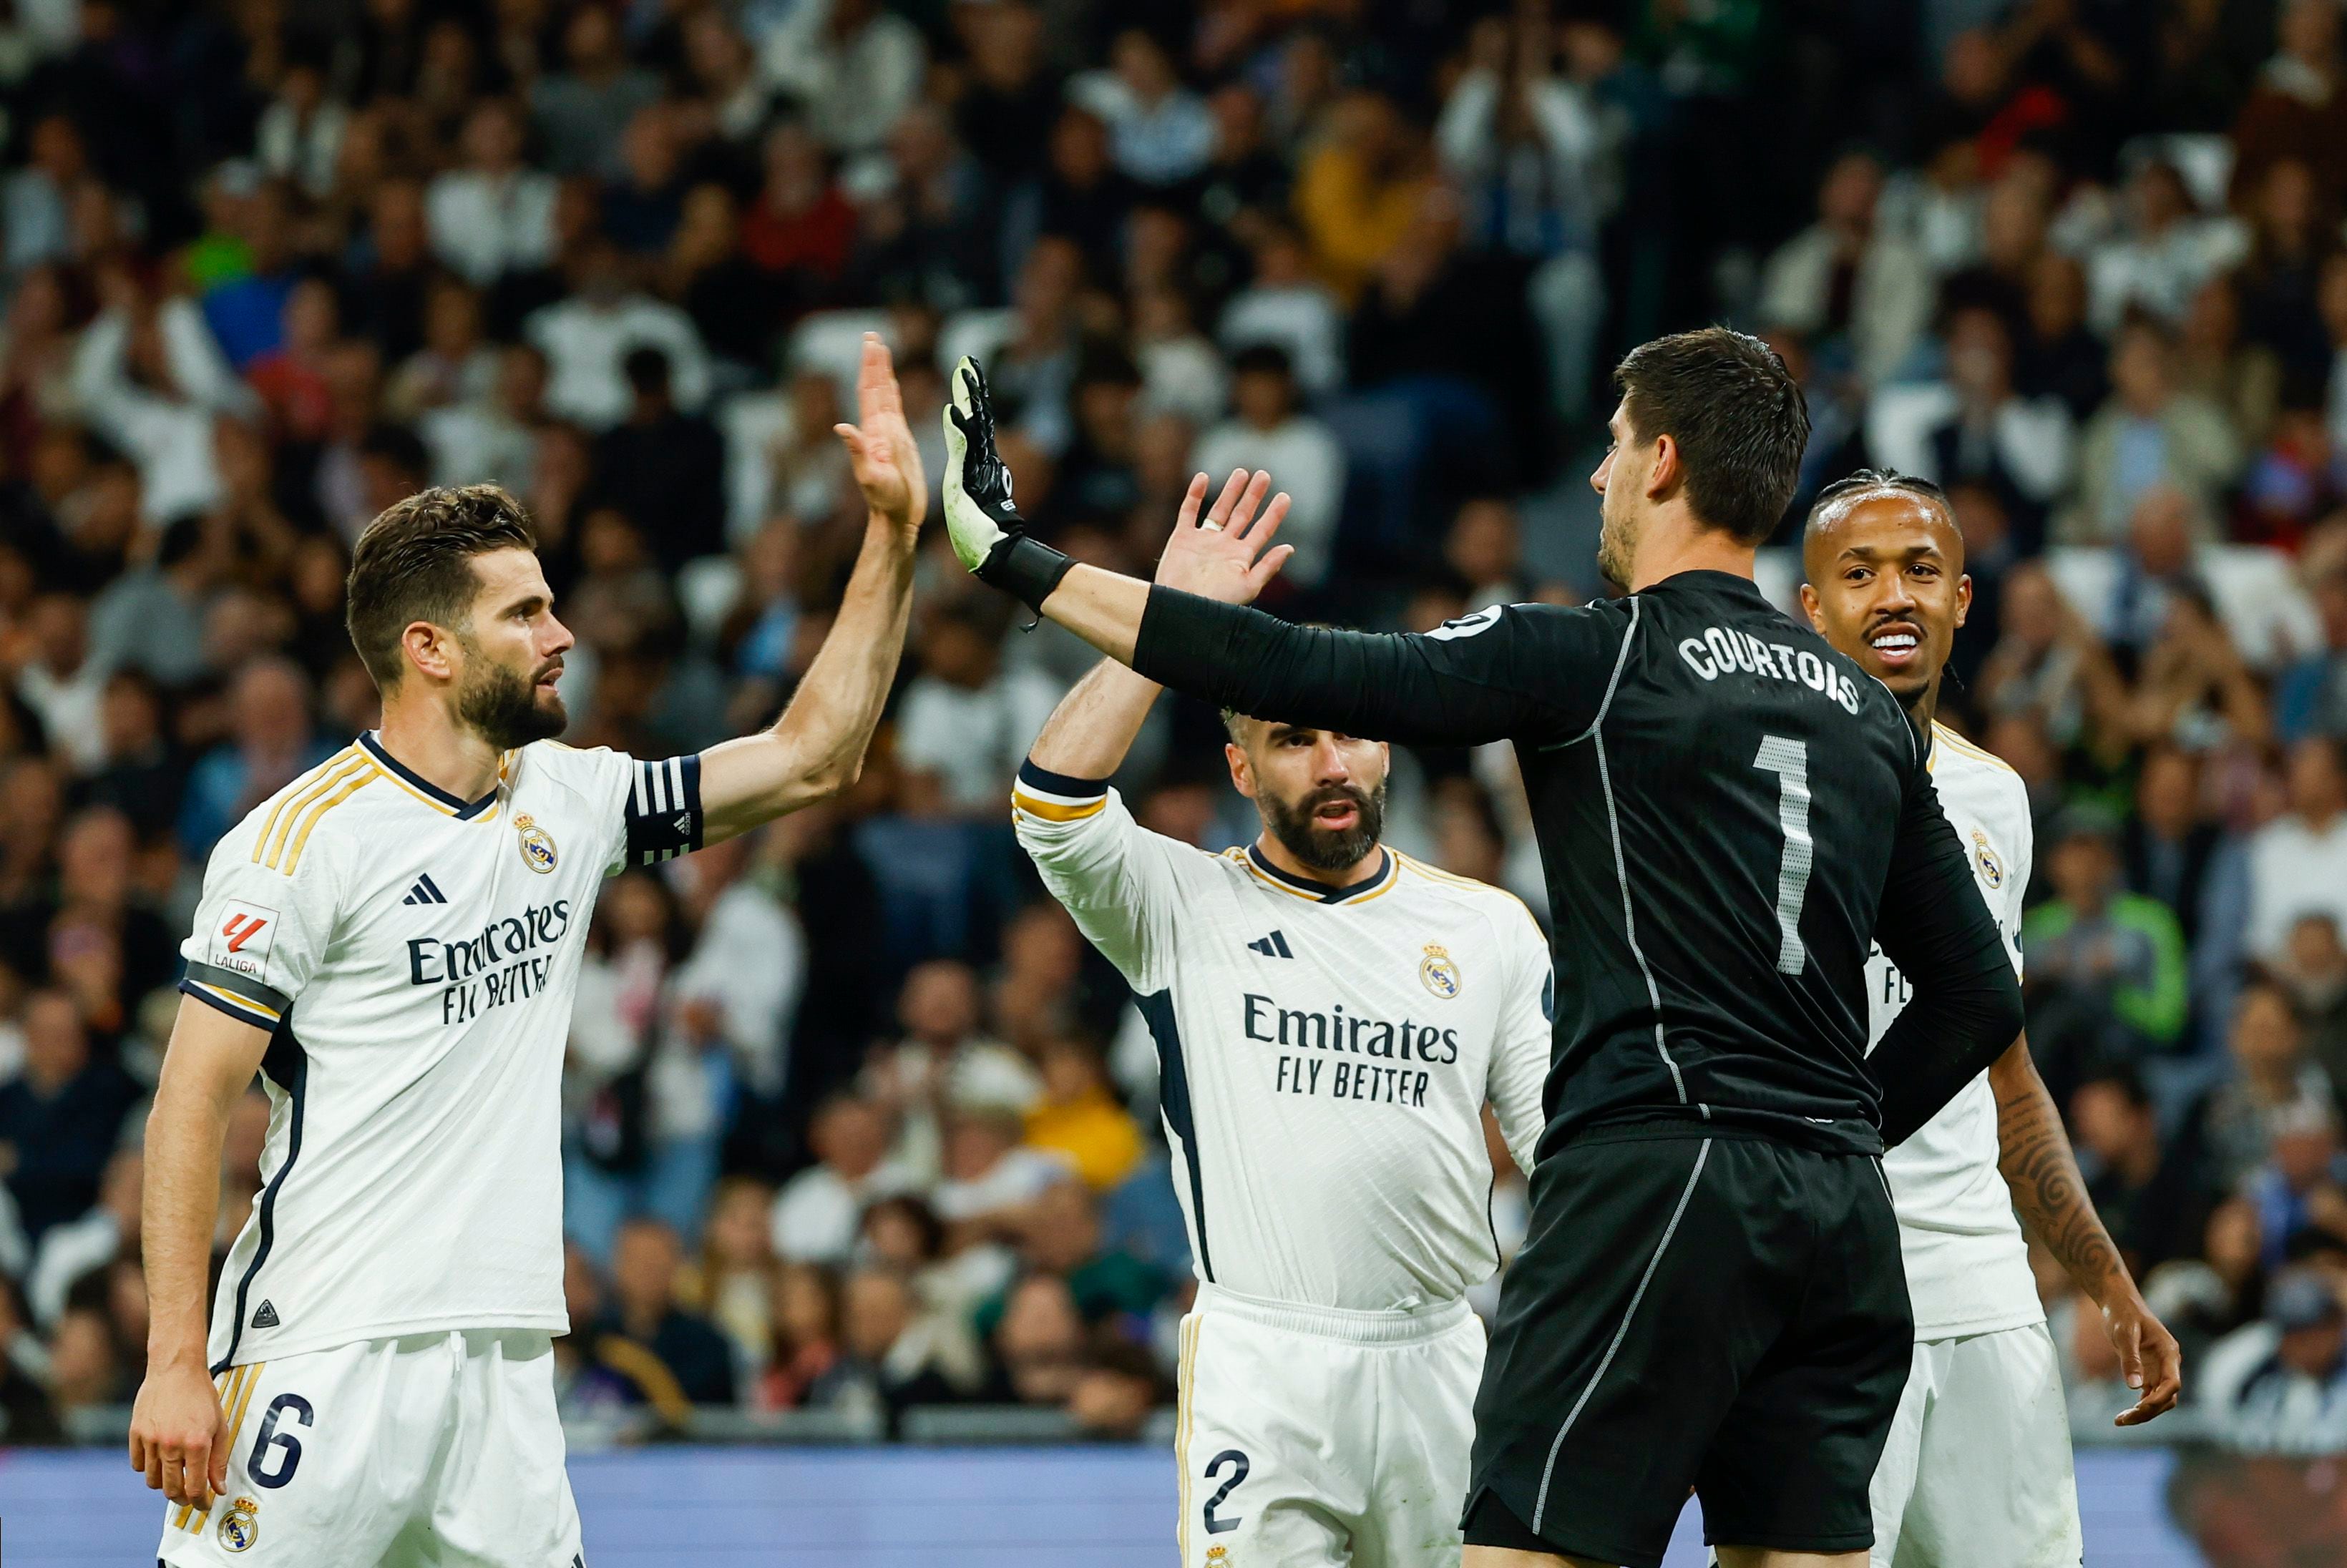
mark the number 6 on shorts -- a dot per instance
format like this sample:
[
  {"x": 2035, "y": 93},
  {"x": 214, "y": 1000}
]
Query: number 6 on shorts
[{"x": 279, "y": 1409}]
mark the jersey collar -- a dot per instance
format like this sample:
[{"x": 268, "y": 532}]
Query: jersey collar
[
  {"x": 434, "y": 796},
  {"x": 1375, "y": 882}
]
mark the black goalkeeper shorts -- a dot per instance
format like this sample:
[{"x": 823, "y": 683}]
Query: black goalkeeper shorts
[{"x": 1692, "y": 1308}]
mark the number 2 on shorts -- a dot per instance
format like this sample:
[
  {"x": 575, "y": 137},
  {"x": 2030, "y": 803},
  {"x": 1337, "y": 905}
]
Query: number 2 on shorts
[{"x": 1239, "y": 1463}]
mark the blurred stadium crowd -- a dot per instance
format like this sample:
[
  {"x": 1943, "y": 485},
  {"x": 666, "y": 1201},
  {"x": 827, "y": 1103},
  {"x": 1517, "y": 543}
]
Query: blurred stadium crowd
[{"x": 854, "y": 1120}]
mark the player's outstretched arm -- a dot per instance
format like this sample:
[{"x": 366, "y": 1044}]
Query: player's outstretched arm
[
  {"x": 816, "y": 749},
  {"x": 177, "y": 1436},
  {"x": 2034, "y": 1154},
  {"x": 1494, "y": 675}
]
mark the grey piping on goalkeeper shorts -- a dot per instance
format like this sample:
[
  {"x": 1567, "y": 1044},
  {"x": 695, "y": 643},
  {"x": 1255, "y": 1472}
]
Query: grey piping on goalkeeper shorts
[{"x": 1539, "y": 1502}]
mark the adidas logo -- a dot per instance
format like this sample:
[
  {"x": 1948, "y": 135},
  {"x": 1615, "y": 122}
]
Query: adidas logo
[
  {"x": 425, "y": 893},
  {"x": 266, "y": 1318},
  {"x": 1272, "y": 946}
]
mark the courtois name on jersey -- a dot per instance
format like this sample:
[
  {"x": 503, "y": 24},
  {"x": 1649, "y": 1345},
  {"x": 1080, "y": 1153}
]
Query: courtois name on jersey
[
  {"x": 1967, "y": 1265},
  {"x": 414, "y": 958},
  {"x": 1324, "y": 1056}
]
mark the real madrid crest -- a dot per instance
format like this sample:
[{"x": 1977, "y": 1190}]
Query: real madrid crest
[
  {"x": 1991, "y": 870},
  {"x": 1437, "y": 972},
  {"x": 240, "y": 1527},
  {"x": 536, "y": 845}
]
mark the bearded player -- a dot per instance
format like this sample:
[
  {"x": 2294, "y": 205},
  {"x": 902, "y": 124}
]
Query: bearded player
[
  {"x": 393, "y": 942},
  {"x": 1330, "y": 1017},
  {"x": 1977, "y": 1472}
]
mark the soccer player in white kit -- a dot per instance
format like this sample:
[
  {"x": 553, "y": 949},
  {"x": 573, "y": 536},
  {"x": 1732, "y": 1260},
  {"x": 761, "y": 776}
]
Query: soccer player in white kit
[
  {"x": 393, "y": 941},
  {"x": 1330, "y": 1018},
  {"x": 1977, "y": 1473}
]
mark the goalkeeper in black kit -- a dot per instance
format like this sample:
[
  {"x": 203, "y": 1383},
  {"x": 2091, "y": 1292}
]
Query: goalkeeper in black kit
[{"x": 1710, "y": 1294}]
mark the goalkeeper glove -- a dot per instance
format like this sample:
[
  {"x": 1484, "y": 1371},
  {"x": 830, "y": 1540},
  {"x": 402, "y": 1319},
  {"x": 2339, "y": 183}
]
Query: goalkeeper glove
[{"x": 988, "y": 535}]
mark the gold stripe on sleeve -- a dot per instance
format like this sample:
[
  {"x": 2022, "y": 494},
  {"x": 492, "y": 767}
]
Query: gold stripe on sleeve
[
  {"x": 1053, "y": 811},
  {"x": 294, "y": 850},
  {"x": 271, "y": 841}
]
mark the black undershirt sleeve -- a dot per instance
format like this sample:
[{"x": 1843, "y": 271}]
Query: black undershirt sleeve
[
  {"x": 1963, "y": 1009},
  {"x": 1510, "y": 672}
]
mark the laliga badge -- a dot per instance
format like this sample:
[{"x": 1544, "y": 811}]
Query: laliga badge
[{"x": 536, "y": 847}]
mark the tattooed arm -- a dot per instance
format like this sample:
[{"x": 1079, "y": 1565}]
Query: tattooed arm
[{"x": 2035, "y": 1158}]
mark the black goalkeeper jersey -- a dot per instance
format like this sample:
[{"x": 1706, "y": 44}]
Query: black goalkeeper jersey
[{"x": 1729, "y": 811}]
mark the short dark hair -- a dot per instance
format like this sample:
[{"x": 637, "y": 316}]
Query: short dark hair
[
  {"x": 1738, "y": 418},
  {"x": 413, "y": 563},
  {"x": 1263, "y": 360},
  {"x": 646, "y": 370},
  {"x": 1866, "y": 479}
]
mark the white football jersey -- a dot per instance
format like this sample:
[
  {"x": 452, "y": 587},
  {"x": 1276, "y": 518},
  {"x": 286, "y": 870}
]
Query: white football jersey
[
  {"x": 413, "y": 957},
  {"x": 1967, "y": 1265},
  {"x": 1324, "y": 1057}
]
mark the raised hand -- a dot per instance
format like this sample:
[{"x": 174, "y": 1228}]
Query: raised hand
[
  {"x": 880, "y": 446},
  {"x": 1222, "y": 556},
  {"x": 979, "y": 513}
]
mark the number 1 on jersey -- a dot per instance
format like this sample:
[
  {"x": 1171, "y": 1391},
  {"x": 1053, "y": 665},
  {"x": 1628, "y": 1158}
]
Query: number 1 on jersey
[{"x": 1789, "y": 761}]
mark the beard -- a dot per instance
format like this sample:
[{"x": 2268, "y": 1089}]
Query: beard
[
  {"x": 505, "y": 707},
  {"x": 1328, "y": 848},
  {"x": 1617, "y": 545}
]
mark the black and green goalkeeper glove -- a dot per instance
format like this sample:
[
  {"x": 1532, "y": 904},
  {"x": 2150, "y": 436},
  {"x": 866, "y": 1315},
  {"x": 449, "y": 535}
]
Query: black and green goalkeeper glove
[{"x": 987, "y": 533}]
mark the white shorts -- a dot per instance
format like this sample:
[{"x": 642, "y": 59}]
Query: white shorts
[
  {"x": 1977, "y": 1472},
  {"x": 434, "y": 1450},
  {"x": 1308, "y": 1436}
]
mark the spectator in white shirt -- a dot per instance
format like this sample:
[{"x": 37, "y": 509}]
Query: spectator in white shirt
[
  {"x": 816, "y": 1214},
  {"x": 1843, "y": 278},
  {"x": 856, "y": 65},
  {"x": 967, "y": 722},
  {"x": 33, "y": 199},
  {"x": 495, "y": 215},
  {"x": 152, "y": 380},
  {"x": 300, "y": 137},
  {"x": 2161, "y": 255},
  {"x": 108, "y": 1231},
  {"x": 1180, "y": 373},
  {"x": 492, "y": 441},
  {"x": 944, "y": 1058},
  {"x": 2298, "y": 861},
  {"x": 2280, "y": 1386},
  {"x": 1973, "y": 426},
  {"x": 1160, "y": 131},
  {"x": 61, "y": 683},
  {"x": 1303, "y": 457},
  {"x": 1287, "y": 305},
  {"x": 586, "y": 338},
  {"x": 989, "y": 1175}
]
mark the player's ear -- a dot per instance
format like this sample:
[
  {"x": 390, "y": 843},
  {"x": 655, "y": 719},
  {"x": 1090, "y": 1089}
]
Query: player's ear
[
  {"x": 1810, "y": 608},
  {"x": 430, "y": 649},
  {"x": 1963, "y": 597},
  {"x": 1242, "y": 772},
  {"x": 1665, "y": 471}
]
